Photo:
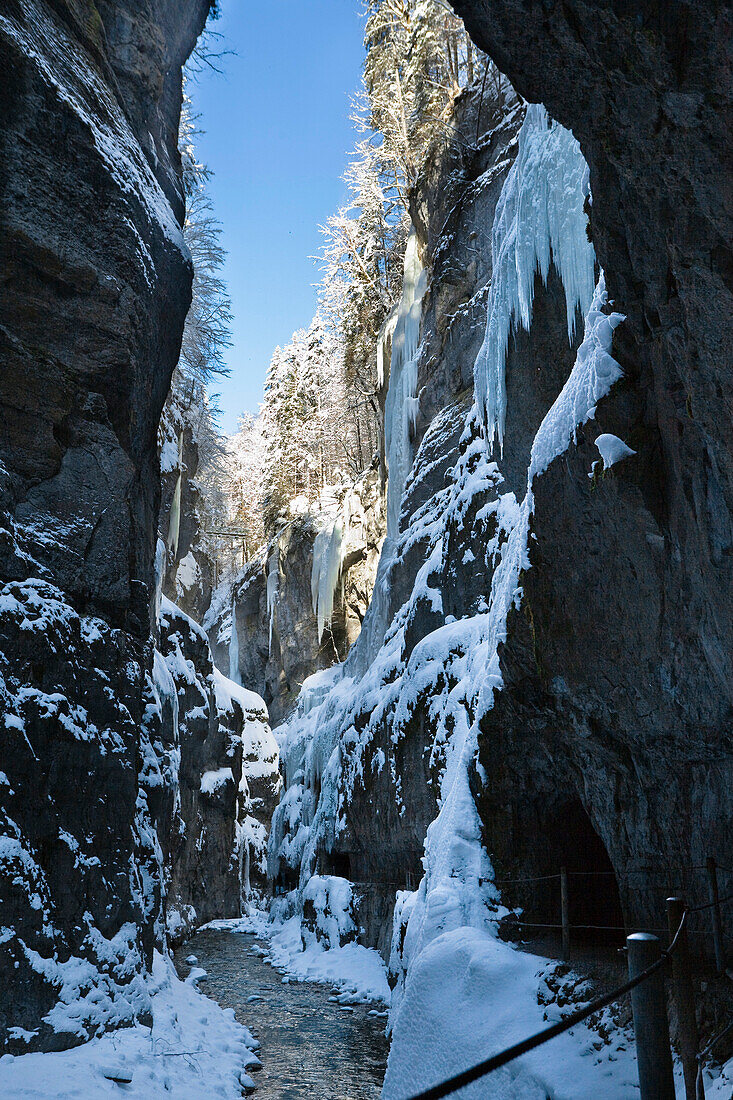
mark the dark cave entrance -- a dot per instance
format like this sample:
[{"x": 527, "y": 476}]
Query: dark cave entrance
[
  {"x": 337, "y": 863},
  {"x": 594, "y": 903}
]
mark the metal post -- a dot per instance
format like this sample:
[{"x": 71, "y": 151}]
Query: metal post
[
  {"x": 684, "y": 999},
  {"x": 653, "y": 1053},
  {"x": 565, "y": 911},
  {"x": 717, "y": 923}
]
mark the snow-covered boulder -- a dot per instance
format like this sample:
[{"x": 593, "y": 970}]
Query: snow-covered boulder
[{"x": 328, "y": 912}]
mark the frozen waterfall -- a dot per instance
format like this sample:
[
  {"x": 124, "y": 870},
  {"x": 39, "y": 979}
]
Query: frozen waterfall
[
  {"x": 326, "y": 570},
  {"x": 401, "y": 407},
  {"x": 540, "y": 217},
  {"x": 174, "y": 521},
  {"x": 234, "y": 648}
]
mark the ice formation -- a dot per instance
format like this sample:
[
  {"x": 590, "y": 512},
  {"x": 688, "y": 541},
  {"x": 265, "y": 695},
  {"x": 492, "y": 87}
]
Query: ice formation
[
  {"x": 401, "y": 405},
  {"x": 234, "y": 648},
  {"x": 384, "y": 342},
  {"x": 326, "y": 570},
  {"x": 539, "y": 217},
  {"x": 273, "y": 585},
  {"x": 174, "y": 520}
]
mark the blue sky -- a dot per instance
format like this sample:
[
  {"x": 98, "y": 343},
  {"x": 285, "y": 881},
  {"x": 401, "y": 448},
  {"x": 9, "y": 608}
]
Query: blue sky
[{"x": 277, "y": 135}]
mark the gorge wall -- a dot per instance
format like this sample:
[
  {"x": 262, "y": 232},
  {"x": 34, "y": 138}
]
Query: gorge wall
[
  {"x": 264, "y": 625},
  {"x": 95, "y": 287},
  {"x": 618, "y": 674},
  {"x": 125, "y": 801},
  {"x": 554, "y": 682}
]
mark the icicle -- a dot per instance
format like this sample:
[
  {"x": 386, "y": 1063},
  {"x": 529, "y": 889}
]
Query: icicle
[
  {"x": 234, "y": 648},
  {"x": 326, "y": 572},
  {"x": 273, "y": 584},
  {"x": 539, "y": 218},
  {"x": 174, "y": 521},
  {"x": 401, "y": 407}
]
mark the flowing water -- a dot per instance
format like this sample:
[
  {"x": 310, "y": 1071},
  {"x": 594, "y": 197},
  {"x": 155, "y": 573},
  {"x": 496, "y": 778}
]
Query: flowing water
[{"x": 312, "y": 1048}]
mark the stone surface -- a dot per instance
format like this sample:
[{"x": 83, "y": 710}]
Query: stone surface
[
  {"x": 619, "y": 683},
  {"x": 188, "y": 576},
  {"x": 95, "y": 287},
  {"x": 202, "y": 864}
]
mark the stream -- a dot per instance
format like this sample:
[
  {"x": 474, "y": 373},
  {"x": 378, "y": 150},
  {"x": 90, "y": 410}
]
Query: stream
[{"x": 311, "y": 1047}]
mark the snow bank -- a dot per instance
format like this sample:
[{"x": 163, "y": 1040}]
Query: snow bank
[
  {"x": 358, "y": 973},
  {"x": 469, "y": 996},
  {"x": 194, "y": 1048},
  {"x": 213, "y": 781}
]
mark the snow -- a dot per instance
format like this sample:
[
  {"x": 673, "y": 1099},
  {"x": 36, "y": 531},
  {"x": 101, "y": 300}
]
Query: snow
[
  {"x": 612, "y": 450},
  {"x": 188, "y": 575},
  {"x": 168, "y": 456},
  {"x": 228, "y": 690},
  {"x": 357, "y": 972},
  {"x": 213, "y": 781},
  {"x": 193, "y": 1048},
  {"x": 539, "y": 217},
  {"x": 329, "y": 902},
  {"x": 470, "y": 996}
]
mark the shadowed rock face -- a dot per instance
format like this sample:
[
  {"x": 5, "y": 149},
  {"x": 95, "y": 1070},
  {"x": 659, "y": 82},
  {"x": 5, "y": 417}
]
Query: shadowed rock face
[
  {"x": 618, "y": 674},
  {"x": 95, "y": 287}
]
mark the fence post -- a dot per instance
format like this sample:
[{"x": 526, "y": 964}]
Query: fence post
[
  {"x": 565, "y": 911},
  {"x": 717, "y": 923},
  {"x": 653, "y": 1053},
  {"x": 684, "y": 999}
]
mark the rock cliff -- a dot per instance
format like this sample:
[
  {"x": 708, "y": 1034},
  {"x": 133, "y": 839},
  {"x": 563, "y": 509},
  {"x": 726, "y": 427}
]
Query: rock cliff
[
  {"x": 619, "y": 683},
  {"x": 276, "y": 637},
  {"x": 95, "y": 288},
  {"x": 604, "y": 737}
]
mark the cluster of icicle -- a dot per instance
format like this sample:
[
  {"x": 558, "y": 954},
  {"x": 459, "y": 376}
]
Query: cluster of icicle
[
  {"x": 326, "y": 569},
  {"x": 540, "y": 217}
]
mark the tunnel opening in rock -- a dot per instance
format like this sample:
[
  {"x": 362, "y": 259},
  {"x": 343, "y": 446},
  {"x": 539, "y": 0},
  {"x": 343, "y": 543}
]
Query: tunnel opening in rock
[
  {"x": 337, "y": 863},
  {"x": 594, "y": 904}
]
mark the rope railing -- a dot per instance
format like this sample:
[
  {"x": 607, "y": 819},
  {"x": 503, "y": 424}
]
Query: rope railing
[
  {"x": 496, "y": 1061},
  {"x": 503, "y": 1058}
]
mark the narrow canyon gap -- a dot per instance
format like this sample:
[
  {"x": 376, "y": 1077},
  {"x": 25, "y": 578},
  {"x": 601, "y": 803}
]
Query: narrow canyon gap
[{"x": 507, "y": 646}]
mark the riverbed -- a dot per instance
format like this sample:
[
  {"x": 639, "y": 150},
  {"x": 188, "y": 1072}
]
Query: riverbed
[{"x": 312, "y": 1047}]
